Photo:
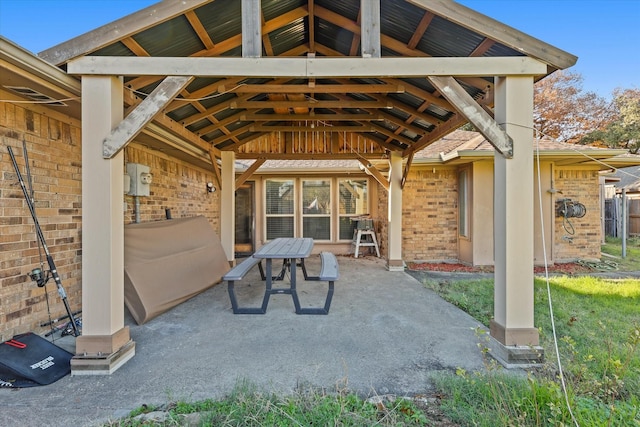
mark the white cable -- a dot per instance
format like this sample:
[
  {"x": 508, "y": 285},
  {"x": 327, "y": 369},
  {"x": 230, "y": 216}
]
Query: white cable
[
  {"x": 546, "y": 274},
  {"x": 215, "y": 95},
  {"x": 44, "y": 101}
]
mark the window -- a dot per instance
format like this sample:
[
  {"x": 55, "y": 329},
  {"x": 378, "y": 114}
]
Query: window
[
  {"x": 306, "y": 207},
  {"x": 463, "y": 203},
  {"x": 316, "y": 209},
  {"x": 279, "y": 208},
  {"x": 353, "y": 201}
]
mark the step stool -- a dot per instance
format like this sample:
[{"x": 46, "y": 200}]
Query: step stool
[{"x": 365, "y": 236}]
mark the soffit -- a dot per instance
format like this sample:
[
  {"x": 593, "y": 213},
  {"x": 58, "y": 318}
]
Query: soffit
[{"x": 321, "y": 118}]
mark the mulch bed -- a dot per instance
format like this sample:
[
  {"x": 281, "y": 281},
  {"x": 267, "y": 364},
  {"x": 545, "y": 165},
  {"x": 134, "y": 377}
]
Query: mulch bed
[{"x": 565, "y": 268}]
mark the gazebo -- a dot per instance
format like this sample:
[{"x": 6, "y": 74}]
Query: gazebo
[{"x": 212, "y": 81}]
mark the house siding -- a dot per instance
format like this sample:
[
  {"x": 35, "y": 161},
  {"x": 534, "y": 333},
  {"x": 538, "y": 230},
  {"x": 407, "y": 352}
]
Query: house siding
[
  {"x": 54, "y": 149},
  {"x": 579, "y": 185}
]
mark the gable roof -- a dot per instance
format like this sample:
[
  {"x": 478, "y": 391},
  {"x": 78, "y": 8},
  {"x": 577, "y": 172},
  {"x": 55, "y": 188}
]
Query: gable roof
[
  {"x": 461, "y": 147},
  {"x": 253, "y": 115},
  {"x": 626, "y": 178}
]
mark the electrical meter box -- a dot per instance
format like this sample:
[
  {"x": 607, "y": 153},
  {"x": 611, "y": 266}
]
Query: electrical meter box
[{"x": 140, "y": 179}]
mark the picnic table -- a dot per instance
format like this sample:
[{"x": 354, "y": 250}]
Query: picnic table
[{"x": 292, "y": 250}]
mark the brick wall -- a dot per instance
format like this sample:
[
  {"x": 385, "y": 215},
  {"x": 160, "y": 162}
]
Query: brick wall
[
  {"x": 176, "y": 186},
  {"x": 579, "y": 185},
  {"x": 429, "y": 221},
  {"x": 54, "y": 147}
]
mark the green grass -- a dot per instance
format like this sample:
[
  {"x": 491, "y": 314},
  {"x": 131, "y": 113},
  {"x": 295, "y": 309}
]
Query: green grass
[
  {"x": 613, "y": 247},
  {"x": 248, "y": 406},
  {"x": 598, "y": 327}
]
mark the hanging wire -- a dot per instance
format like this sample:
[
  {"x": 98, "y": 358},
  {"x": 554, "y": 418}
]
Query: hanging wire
[
  {"x": 212, "y": 96},
  {"x": 46, "y": 101},
  {"x": 549, "y": 298}
]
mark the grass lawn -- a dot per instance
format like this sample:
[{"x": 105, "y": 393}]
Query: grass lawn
[
  {"x": 598, "y": 328},
  {"x": 613, "y": 248}
]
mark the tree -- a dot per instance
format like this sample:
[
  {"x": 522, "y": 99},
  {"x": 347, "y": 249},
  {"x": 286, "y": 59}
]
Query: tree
[
  {"x": 563, "y": 111},
  {"x": 624, "y": 130}
]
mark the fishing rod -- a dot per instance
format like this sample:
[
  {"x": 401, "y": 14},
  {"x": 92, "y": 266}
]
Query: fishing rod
[{"x": 41, "y": 278}]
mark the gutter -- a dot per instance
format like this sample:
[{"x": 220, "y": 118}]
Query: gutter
[{"x": 22, "y": 58}]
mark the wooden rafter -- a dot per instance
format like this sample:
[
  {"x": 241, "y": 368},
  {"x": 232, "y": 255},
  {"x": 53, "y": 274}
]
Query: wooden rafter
[
  {"x": 420, "y": 29},
  {"x": 473, "y": 112},
  {"x": 197, "y": 26},
  {"x": 132, "y": 125},
  {"x": 318, "y": 88},
  {"x": 216, "y": 168},
  {"x": 337, "y": 117},
  {"x": 312, "y": 29},
  {"x": 407, "y": 167},
  {"x": 178, "y": 129},
  {"x": 250, "y": 171},
  {"x": 375, "y": 173}
]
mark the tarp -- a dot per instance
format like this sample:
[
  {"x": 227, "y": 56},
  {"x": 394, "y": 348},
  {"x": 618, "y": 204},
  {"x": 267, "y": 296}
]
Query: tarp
[
  {"x": 29, "y": 360},
  {"x": 168, "y": 262}
]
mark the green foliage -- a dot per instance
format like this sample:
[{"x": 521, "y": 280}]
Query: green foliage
[
  {"x": 624, "y": 131},
  {"x": 248, "y": 406},
  {"x": 598, "y": 325}
]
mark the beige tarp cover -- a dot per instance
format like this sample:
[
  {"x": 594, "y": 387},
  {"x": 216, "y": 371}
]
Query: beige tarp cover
[{"x": 168, "y": 262}]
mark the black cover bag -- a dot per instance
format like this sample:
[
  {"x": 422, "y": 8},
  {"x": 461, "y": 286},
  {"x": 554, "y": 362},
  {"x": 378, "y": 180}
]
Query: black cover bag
[{"x": 29, "y": 360}]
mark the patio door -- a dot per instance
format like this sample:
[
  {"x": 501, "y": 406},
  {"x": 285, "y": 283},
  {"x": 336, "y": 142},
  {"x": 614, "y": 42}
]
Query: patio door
[{"x": 245, "y": 220}]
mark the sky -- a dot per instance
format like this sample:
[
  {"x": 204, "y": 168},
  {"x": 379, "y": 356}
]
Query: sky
[{"x": 603, "y": 34}]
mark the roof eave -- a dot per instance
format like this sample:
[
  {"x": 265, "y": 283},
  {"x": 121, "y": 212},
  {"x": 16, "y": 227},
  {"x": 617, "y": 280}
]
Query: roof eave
[
  {"x": 495, "y": 30},
  {"x": 30, "y": 63},
  {"x": 118, "y": 29}
]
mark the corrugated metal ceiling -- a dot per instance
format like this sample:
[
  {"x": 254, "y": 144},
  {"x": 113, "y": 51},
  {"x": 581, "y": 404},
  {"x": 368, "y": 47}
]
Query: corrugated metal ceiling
[{"x": 214, "y": 29}]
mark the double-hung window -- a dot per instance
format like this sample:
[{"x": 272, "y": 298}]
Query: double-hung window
[
  {"x": 280, "y": 202},
  {"x": 316, "y": 209},
  {"x": 353, "y": 201},
  {"x": 320, "y": 208}
]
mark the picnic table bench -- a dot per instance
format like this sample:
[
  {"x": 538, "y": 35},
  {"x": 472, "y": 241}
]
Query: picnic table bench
[{"x": 290, "y": 250}]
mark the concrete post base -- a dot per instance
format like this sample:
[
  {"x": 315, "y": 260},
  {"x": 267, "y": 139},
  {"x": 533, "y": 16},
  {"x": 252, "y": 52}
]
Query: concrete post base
[
  {"x": 102, "y": 364},
  {"x": 516, "y": 356},
  {"x": 102, "y": 354},
  {"x": 395, "y": 265}
]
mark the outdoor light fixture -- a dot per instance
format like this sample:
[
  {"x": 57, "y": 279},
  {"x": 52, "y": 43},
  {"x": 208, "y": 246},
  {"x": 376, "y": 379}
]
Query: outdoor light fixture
[{"x": 210, "y": 187}]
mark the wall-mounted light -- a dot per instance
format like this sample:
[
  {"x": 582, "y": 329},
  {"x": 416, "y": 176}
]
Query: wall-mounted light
[{"x": 210, "y": 187}]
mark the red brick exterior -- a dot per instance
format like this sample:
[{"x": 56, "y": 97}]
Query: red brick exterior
[
  {"x": 579, "y": 185},
  {"x": 54, "y": 149},
  {"x": 429, "y": 220}
]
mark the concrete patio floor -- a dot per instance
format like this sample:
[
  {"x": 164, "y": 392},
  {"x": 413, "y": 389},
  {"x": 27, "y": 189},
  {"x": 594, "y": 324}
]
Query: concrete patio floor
[{"x": 385, "y": 333}]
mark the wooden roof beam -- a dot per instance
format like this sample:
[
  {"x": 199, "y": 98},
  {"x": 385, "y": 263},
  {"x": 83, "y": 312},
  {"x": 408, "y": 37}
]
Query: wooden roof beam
[
  {"x": 311, "y": 128},
  {"x": 132, "y": 125},
  {"x": 250, "y": 171},
  {"x": 310, "y": 104},
  {"x": 420, "y": 29},
  {"x": 318, "y": 88},
  {"x": 370, "y": 168},
  {"x": 473, "y": 112},
  {"x": 338, "y": 117}
]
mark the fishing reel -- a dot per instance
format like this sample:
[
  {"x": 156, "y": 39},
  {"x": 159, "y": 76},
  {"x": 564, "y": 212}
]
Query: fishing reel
[{"x": 40, "y": 277}]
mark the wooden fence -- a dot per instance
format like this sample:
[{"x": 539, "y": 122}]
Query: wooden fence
[{"x": 613, "y": 215}]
